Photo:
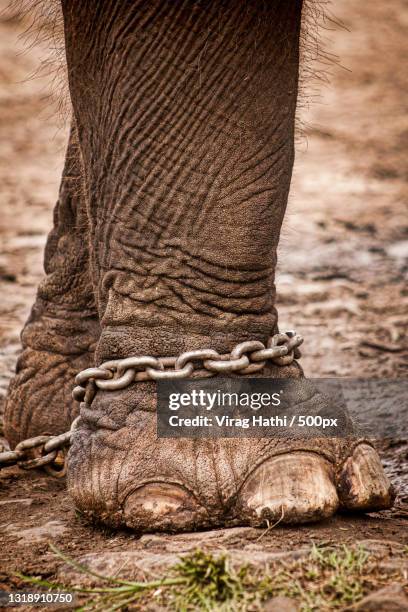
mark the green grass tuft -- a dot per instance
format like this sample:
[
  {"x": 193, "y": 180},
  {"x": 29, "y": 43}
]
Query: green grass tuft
[
  {"x": 329, "y": 578},
  {"x": 209, "y": 582}
]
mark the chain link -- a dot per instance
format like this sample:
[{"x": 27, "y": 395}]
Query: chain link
[
  {"x": 40, "y": 451},
  {"x": 245, "y": 358}
]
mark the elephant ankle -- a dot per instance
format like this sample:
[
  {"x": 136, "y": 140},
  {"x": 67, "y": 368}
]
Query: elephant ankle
[{"x": 171, "y": 340}]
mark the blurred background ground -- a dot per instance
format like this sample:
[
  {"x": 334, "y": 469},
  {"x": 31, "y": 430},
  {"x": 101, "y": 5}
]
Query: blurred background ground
[{"x": 343, "y": 258}]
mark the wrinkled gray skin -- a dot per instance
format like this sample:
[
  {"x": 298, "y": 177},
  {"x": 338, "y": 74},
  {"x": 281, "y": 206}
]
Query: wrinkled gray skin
[{"x": 165, "y": 234}]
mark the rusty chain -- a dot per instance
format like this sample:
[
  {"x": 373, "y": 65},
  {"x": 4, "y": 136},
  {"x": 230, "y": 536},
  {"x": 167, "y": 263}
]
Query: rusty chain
[{"x": 245, "y": 358}]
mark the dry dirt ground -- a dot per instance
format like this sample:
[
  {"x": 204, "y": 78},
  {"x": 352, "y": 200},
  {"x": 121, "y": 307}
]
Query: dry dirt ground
[{"x": 341, "y": 279}]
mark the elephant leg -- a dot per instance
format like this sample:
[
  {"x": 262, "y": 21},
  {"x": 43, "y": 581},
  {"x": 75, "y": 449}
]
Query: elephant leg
[
  {"x": 60, "y": 335},
  {"x": 186, "y": 116}
]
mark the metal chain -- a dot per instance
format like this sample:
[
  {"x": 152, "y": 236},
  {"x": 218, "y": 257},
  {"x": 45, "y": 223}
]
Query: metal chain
[
  {"x": 40, "y": 451},
  {"x": 245, "y": 358}
]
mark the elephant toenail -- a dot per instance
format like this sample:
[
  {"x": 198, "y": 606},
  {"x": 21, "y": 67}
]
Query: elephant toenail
[
  {"x": 362, "y": 483},
  {"x": 292, "y": 488},
  {"x": 161, "y": 506}
]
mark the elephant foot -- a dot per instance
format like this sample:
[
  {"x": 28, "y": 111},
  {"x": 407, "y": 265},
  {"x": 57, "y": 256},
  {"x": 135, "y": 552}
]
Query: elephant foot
[
  {"x": 121, "y": 474},
  {"x": 39, "y": 399}
]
